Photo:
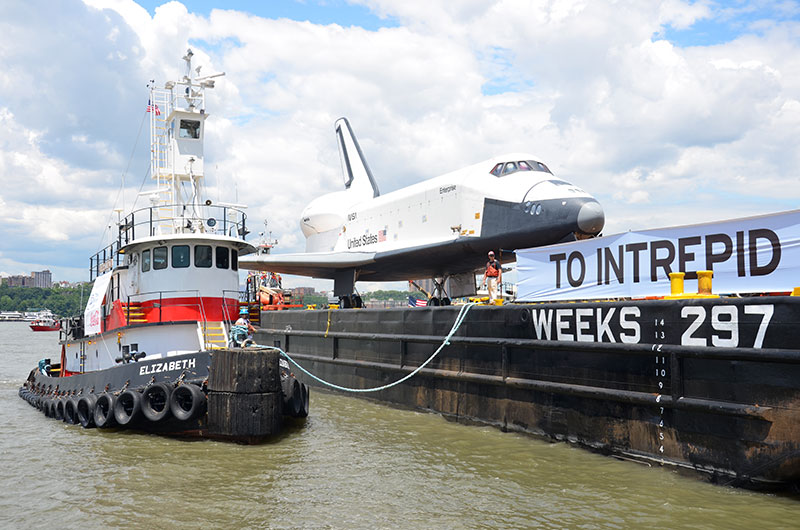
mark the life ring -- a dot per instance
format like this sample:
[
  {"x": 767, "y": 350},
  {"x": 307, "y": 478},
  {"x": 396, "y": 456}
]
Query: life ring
[
  {"x": 155, "y": 401},
  {"x": 128, "y": 406},
  {"x": 71, "y": 411},
  {"x": 187, "y": 402},
  {"x": 104, "y": 410},
  {"x": 86, "y": 406}
]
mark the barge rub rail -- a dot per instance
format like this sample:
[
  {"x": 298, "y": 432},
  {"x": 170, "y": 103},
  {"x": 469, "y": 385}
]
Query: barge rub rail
[
  {"x": 624, "y": 396},
  {"x": 696, "y": 352}
]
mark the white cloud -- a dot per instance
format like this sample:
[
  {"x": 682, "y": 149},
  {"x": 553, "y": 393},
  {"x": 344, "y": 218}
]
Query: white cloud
[{"x": 703, "y": 133}]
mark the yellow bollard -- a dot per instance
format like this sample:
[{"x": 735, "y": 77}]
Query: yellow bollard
[
  {"x": 704, "y": 282},
  {"x": 703, "y": 286},
  {"x": 676, "y": 283}
]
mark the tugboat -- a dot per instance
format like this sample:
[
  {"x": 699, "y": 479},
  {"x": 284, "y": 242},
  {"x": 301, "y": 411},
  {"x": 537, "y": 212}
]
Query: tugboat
[
  {"x": 45, "y": 321},
  {"x": 155, "y": 348}
]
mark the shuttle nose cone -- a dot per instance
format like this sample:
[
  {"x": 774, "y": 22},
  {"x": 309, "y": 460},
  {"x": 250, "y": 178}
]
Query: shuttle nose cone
[{"x": 591, "y": 218}]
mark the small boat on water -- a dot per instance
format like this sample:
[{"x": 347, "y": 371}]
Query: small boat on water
[
  {"x": 156, "y": 347},
  {"x": 45, "y": 321}
]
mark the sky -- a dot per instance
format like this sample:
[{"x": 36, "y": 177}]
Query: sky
[{"x": 669, "y": 112}]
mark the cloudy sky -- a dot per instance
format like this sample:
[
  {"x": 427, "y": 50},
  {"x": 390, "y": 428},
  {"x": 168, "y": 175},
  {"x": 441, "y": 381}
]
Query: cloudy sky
[{"x": 669, "y": 112}]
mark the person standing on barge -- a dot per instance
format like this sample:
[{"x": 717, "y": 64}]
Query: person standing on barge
[{"x": 494, "y": 276}]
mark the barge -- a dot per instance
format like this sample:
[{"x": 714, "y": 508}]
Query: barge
[{"x": 710, "y": 385}]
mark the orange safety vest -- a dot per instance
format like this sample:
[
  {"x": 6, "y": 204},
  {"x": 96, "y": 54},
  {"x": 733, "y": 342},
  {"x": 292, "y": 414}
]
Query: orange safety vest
[{"x": 491, "y": 270}]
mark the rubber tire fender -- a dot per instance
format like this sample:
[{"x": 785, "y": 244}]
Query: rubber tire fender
[
  {"x": 187, "y": 402},
  {"x": 85, "y": 410},
  {"x": 71, "y": 411},
  {"x": 292, "y": 398},
  {"x": 104, "y": 410},
  {"x": 305, "y": 393},
  {"x": 59, "y": 415},
  {"x": 128, "y": 406},
  {"x": 154, "y": 396}
]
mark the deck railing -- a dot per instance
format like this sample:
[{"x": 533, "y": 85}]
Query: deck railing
[{"x": 153, "y": 221}]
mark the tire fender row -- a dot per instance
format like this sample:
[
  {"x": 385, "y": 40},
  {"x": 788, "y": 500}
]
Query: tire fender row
[{"x": 155, "y": 402}]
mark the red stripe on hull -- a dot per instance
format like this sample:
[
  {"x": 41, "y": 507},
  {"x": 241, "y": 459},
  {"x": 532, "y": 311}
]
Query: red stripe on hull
[{"x": 210, "y": 309}]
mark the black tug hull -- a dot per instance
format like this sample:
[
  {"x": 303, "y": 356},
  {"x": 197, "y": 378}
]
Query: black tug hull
[
  {"x": 229, "y": 394},
  {"x": 708, "y": 385}
]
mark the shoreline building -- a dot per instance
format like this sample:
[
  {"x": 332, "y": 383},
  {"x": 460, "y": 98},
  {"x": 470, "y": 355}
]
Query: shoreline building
[{"x": 42, "y": 279}]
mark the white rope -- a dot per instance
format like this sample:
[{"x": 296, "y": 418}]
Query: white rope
[{"x": 459, "y": 320}]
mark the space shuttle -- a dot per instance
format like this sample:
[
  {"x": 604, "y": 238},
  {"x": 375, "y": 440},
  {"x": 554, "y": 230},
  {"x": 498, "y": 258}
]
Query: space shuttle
[{"x": 441, "y": 228}]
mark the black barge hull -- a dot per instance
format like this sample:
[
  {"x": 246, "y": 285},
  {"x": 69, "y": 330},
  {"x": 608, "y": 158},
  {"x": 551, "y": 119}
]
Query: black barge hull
[
  {"x": 709, "y": 385},
  {"x": 238, "y": 395}
]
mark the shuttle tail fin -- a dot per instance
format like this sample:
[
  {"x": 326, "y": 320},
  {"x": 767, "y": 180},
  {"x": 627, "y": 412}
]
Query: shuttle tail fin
[{"x": 357, "y": 175}]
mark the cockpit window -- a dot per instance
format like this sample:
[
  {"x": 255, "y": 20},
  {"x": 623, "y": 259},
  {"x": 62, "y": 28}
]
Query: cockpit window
[
  {"x": 538, "y": 166},
  {"x": 523, "y": 165},
  {"x": 510, "y": 168}
]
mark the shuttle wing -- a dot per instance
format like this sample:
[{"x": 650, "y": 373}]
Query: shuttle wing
[
  {"x": 424, "y": 261},
  {"x": 315, "y": 264}
]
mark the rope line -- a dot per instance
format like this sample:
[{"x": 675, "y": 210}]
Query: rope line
[{"x": 462, "y": 314}]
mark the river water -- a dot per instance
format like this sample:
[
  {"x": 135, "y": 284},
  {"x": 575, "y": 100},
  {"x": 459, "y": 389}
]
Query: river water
[{"x": 352, "y": 464}]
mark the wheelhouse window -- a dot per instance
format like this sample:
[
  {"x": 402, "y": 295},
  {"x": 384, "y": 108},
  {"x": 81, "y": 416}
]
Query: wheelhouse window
[
  {"x": 235, "y": 260},
  {"x": 160, "y": 258},
  {"x": 202, "y": 256},
  {"x": 180, "y": 256},
  {"x": 223, "y": 259},
  {"x": 189, "y": 129},
  {"x": 145, "y": 260}
]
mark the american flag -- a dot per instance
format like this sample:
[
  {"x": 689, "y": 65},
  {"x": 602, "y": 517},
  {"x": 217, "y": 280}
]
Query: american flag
[
  {"x": 381, "y": 235},
  {"x": 416, "y": 302},
  {"x": 153, "y": 108}
]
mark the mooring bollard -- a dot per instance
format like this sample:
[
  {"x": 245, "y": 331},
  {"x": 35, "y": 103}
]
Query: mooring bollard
[{"x": 244, "y": 394}]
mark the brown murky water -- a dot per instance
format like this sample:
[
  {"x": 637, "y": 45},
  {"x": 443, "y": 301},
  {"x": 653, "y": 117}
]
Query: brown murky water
[{"x": 352, "y": 464}]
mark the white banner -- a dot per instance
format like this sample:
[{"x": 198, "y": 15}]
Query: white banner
[
  {"x": 93, "y": 316},
  {"x": 755, "y": 254}
]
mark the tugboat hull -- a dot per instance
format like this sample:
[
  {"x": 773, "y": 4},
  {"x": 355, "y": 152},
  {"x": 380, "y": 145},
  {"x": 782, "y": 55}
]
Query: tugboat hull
[{"x": 199, "y": 394}]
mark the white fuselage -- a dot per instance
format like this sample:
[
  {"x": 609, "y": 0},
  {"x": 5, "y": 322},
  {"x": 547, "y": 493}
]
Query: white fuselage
[{"x": 439, "y": 209}]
